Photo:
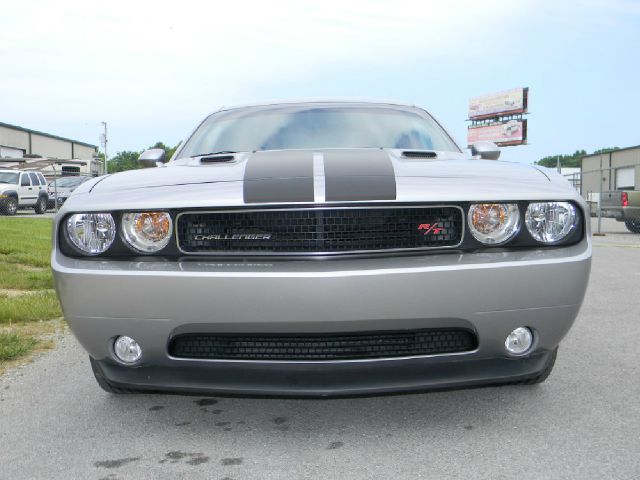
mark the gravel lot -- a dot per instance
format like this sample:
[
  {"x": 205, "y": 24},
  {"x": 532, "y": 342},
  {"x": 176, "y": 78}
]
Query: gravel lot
[{"x": 584, "y": 422}]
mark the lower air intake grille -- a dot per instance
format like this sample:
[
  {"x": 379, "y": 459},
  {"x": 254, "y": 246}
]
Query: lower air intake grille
[{"x": 322, "y": 347}]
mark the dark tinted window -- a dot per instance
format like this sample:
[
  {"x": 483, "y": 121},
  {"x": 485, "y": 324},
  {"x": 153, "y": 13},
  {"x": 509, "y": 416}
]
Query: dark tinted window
[
  {"x": 24, "y": 181},
  {"x": 309, "y": 126},
  {"x": 68, "y": 182},
  {"x": 34, "y": 179}
]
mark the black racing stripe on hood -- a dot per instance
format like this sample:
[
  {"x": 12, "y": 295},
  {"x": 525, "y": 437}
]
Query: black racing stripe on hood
[
  {"x": 358, "y": 175},
  {"x": 282, "y": 176}
]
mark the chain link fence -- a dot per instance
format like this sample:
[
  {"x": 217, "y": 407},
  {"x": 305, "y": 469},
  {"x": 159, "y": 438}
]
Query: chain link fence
[
  {"x": 612, "y": 197},
  {"x": 51, "y": 169}
]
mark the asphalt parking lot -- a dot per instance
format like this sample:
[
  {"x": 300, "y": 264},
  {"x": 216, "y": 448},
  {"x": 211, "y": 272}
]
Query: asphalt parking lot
[
  {"x": 32, "y": 214},
  {"x": 584, "y": 422}
]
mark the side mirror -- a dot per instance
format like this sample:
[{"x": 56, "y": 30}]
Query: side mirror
[
  {"x": 151, "y": 158},
  {"x": 485, "y": 150}
]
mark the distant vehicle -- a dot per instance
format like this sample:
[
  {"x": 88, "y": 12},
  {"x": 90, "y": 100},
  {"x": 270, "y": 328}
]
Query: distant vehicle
[
  {"x": 60, "y": 189},
  {"x": 624, "y": 206},
  {"x": 20, "y": 189}
]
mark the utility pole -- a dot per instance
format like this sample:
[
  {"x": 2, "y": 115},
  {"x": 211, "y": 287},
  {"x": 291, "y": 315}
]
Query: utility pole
[{"x": 103, "y": 140}]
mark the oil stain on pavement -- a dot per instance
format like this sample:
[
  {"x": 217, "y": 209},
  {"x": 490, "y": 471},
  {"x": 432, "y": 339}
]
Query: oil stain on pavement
[{"x": 115, "y": 463}]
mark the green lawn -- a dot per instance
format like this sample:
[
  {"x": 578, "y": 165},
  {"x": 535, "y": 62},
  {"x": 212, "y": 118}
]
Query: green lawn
[
  {"x": 25, "y": 241},
  {"x": 31, "y": 307},
  {"x": 18, "y": 276},
  {"x": 27, "y": 299}
]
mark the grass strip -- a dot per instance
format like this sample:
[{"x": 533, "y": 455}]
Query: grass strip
[
  {"x": 15, "y": 345},
  {"x": 27, "y": 300},
  {"x": 42, "y": 305},
  {"x": 16, "y": 277},
  {"x": 26, "y": 241}
]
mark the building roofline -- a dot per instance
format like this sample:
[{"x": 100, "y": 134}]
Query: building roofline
[
  {"x": 612, "y": 151},
  {"x": 46, "y": 160},
  {"x": 36, "y": 132}
]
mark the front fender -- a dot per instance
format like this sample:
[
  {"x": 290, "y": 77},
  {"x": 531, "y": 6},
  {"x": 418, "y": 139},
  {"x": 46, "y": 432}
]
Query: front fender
[{"x": 9, "y": 193}]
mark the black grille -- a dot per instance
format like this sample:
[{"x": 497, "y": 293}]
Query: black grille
[
  {"x": 322, "y": 347},
  {"x": 320, "y": 230}
]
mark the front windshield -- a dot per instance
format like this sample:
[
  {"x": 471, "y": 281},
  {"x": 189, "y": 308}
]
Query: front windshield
[
  {"x": 9, "y": 177},
  {"x": 317, "y": 127}
]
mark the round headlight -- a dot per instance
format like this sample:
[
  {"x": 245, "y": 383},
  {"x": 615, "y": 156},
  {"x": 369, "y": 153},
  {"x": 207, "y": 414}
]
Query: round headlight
[
  {"x": 494, "y": 223},
  {"x": 91, "y": 233},
  {"x": 550, "y": 222},
  {"x": 147, "y": 232}
]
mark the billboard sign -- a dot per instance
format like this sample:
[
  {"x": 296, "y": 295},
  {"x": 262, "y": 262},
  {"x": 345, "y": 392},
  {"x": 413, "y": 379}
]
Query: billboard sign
[
  {"x": 509, "y": 102},
  {"x": 513, "y": 132}
]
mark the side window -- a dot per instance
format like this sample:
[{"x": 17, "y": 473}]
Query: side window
[
  {"x": 24, "y": 180},
  {"x": 43, "y": 181},
  {"x": 34, "y": 179}
]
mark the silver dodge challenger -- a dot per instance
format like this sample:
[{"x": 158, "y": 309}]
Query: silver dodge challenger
[{"x": 321, "y": 248}]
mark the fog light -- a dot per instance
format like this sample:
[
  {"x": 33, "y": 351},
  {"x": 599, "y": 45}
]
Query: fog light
[
  {"x": 127, "y": 349},
  {"x": 519, "y": 341}
]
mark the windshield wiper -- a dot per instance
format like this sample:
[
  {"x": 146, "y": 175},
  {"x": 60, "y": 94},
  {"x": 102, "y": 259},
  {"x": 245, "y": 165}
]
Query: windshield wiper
[{"x": 221, "y": 152}]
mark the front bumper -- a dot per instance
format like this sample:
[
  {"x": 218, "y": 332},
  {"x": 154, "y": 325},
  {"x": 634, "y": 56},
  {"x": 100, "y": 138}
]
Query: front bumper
[
  {"x": 622, "y": 213},
  {"x": 324, "y": 380},
  {"x": 490, "y": 293}
]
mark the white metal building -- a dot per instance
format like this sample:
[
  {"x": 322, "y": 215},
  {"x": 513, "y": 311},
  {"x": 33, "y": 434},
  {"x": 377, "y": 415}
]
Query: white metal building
[
  {"x": 19, "y": 142},
  {"x": 614, "y": 170}
]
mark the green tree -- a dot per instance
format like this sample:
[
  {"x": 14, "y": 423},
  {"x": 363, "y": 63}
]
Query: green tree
[
  {"x": 573, "y": 160},
  {"x": 128, "y": 159},
  {"x": 122, "y": 161},
  {"x": 606, "y": 150}
]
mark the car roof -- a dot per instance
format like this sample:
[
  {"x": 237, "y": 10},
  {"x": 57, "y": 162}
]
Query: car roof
[{"x": 320, "y": 101}]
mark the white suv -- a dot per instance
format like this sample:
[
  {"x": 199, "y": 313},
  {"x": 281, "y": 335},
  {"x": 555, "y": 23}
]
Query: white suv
[{"x": 20, "y": 189}]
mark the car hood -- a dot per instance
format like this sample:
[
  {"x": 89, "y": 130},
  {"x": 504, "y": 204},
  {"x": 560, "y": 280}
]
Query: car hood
[
  {"x": 60, "y": 190},
  {"x": 6, "y": 186},
  {"x": 341, "y": 175}
]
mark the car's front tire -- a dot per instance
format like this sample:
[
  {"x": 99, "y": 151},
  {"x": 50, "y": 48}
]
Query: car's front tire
[
  {"x": 41, "y": 206},
  {"x": 632, "y": 225},
  {"x": 103, "y": 382},
  {"x": 9, "y": 207}
]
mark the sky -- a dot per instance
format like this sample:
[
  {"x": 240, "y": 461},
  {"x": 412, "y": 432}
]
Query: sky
[{"x": 154, "y": 70}]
